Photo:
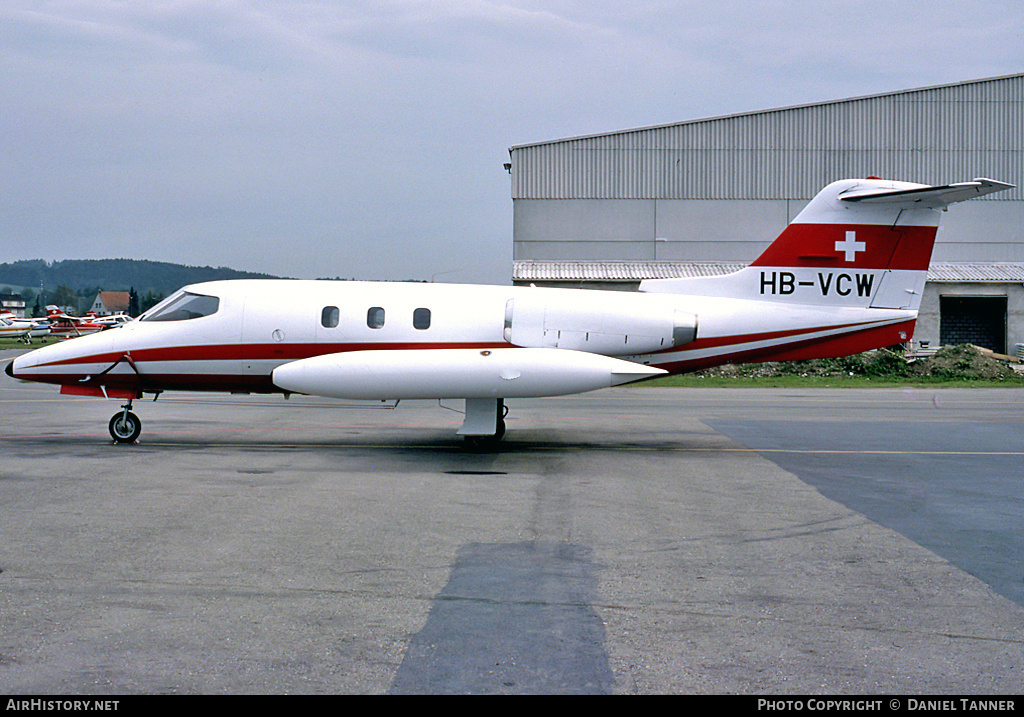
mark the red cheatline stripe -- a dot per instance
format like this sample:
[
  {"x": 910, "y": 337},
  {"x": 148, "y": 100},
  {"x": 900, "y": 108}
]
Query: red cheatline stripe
[
  {"x": 740, "y": 339},
  {"x": 845, "y": 343},
  {"x": 236, "y": 352},
  {"x": 292, "y": 352}
]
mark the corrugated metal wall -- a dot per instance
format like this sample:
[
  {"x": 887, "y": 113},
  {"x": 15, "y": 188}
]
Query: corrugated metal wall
[{"x": 933, "y": 135}]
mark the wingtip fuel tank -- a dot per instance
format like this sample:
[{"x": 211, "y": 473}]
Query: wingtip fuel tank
[{"x": 456, "y": 373}]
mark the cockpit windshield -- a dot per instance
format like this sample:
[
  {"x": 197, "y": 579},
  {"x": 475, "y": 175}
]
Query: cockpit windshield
[{"x": 181, "y": 307}]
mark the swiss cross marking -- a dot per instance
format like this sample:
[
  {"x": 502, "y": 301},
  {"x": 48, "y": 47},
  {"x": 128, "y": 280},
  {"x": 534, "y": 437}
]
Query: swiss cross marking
[{"x": 850, "y": 246}]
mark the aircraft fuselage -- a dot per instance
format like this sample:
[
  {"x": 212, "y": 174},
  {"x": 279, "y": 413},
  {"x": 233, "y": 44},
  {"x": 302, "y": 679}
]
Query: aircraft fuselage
[{"x": 260, "y": 325}]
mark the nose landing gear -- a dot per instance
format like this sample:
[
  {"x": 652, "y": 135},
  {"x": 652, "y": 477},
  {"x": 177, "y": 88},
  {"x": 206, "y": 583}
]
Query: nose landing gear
[{"x": 124, "y": 425}]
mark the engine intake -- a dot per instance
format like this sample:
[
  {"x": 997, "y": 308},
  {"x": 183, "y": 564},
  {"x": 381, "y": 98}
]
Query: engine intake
[{"x": 598, "y": 322}]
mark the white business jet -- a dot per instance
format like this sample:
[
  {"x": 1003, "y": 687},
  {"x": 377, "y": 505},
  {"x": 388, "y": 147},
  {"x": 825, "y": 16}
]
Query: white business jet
[{"x": 844, "y": 277}]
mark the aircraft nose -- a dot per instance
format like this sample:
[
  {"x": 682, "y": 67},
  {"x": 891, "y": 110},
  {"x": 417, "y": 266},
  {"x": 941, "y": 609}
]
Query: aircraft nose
[{"x": 9, "y": 369}]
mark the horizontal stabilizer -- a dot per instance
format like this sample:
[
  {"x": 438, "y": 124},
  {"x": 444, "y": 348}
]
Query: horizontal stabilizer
[{"x": 927, "y": 197}]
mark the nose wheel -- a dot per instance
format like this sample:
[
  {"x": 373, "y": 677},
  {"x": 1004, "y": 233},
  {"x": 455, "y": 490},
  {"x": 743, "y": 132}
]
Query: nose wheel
[{"x": 125, "y": 426}]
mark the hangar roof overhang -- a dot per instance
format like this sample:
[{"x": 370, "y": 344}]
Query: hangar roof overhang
[{"x": 631, "y": 271}]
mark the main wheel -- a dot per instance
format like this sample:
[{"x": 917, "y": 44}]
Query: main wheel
[
  {"x": 487, "y": 442},
  {"x": 125, "y": 427}
]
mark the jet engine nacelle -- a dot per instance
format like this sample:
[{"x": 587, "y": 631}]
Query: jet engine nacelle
[{"x": 606, "y": 323}]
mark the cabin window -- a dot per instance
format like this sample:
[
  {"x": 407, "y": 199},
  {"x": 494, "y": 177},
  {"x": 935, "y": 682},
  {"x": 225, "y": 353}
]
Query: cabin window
[
  {"x": 421, "y": 319},
  {"x": 329, "y": 317},
  {"x": 375, "y": 317},
  {"x": 183, "y": 306}
]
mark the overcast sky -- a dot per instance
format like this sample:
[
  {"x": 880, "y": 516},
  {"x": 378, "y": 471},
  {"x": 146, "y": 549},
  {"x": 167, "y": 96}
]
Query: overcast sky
[{"x": 366, "y": 139}]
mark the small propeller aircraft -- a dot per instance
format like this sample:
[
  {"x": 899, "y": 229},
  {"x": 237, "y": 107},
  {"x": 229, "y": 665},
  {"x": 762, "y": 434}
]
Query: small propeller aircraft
[
  {"x": 37, "y": 328},
  {"x": 14, "y": 328},
  {"x": 844, "y": 277},
  {"x": 111, "y": 321},
  {"x": 63, "y": 325}
]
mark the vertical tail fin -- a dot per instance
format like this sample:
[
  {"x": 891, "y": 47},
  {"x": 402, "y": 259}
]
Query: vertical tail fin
[{"x": 860, "y": 243}]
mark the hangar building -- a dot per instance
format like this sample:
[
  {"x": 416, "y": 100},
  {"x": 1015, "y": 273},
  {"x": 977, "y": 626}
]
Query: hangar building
[{"x": 707, "y": 196}]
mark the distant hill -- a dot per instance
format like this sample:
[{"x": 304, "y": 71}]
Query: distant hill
[{"x": 113, "y": 275}]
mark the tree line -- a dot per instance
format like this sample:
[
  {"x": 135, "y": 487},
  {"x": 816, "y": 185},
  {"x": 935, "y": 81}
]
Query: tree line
[{"x": 74, "y": 283}]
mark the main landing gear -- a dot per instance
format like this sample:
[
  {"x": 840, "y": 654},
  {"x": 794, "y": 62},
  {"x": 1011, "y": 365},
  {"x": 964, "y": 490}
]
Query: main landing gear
[
  {"x": 124, "y": 425},
  {"x": 484, "y": 425}
]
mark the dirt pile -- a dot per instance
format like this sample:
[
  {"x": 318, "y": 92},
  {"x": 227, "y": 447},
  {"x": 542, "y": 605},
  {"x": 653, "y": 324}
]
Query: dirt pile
[{"x": 966, "y": 363}]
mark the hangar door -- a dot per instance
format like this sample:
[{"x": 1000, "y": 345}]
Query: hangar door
[{"x": 978, "y": 320}]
